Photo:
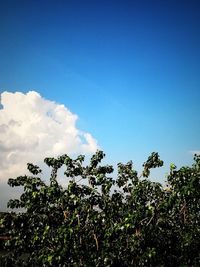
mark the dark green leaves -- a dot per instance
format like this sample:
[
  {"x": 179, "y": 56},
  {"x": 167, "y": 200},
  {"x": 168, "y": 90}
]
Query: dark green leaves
[
  {"x": 95, "y": 220},
  {"x": 34, "y": 169},
  {"x": 153, "y": 161}
]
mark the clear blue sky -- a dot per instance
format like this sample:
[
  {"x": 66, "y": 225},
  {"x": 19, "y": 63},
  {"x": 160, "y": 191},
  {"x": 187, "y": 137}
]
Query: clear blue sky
[{"x": 129, "y": 69}]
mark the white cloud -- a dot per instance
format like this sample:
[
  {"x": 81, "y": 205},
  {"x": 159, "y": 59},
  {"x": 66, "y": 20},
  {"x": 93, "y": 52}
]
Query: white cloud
[{"x": 32, "y": 128}]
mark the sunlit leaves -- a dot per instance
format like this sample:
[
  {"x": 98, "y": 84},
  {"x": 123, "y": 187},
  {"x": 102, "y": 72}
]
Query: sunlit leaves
[
  {"x": 95, "y": 220},
  {"x": 153, "y": 161}
]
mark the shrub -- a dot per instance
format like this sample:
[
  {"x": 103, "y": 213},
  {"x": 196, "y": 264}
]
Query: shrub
[{"x": 95, "y": 220}]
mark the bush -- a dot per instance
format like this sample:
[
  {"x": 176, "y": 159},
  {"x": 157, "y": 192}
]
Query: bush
[{"x": 98, "y": 221}]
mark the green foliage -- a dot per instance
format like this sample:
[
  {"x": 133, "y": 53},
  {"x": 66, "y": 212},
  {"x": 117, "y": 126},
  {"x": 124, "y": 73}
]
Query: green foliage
[{"x": 95, "y": 220}]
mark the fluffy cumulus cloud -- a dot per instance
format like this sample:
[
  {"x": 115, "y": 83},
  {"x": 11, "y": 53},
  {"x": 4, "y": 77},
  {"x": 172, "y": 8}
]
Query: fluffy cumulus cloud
[{"x": 32, "y": 128}]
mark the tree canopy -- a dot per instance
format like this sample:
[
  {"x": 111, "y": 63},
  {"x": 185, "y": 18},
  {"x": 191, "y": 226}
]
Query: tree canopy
[{"x": 96, "y": 220}]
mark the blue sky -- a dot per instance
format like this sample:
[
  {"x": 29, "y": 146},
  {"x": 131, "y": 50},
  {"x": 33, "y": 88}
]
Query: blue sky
[{"x": 128, "y": 69}]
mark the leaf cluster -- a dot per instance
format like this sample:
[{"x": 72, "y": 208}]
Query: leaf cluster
[{"x": 95, "y": 220}]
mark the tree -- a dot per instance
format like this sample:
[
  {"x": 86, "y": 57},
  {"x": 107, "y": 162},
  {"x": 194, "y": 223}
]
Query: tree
[{"x": 95, "y": 220}]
